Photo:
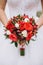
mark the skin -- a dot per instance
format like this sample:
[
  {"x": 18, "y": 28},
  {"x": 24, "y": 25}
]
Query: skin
[
  {"x": 4, "y": 19},
  {"x": 3, "y": 16},
  {"x": 40, "y": 21},
  {"x": 42, "y": 4}
]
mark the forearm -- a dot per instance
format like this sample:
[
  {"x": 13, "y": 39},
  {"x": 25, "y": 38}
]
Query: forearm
[
  {"x": 3, "y": 17},
  {"x": 40, "y": 21}
]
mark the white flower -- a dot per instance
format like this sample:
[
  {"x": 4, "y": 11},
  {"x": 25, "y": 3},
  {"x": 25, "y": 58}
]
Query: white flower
[
  {"x": 24, "y": 33},
  {"x": 26, "y": 20},
  {"x": 16, "y": 25},
  {"x": 8, "y": 32}
]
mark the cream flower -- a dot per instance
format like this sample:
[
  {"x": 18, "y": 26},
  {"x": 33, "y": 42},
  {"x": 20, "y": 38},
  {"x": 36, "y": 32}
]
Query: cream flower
[
  {"x": 26, "y": 20},
  {"x": 16, "y": 25},
  {"x": 8, "y": 32},
  {"x": 24, "y": 33}
]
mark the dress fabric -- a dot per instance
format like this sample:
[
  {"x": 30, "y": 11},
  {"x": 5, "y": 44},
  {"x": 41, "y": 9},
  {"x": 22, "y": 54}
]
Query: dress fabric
[
  {"x": 29, "y": 7},
  {"x": 9, "y": 54}
]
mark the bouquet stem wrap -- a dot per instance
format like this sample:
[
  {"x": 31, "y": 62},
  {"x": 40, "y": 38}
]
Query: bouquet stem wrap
[{"x": 22, "y": 51}]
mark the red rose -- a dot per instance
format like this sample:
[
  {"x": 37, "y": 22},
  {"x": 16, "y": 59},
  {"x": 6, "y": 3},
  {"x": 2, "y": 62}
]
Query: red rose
[
  {"x": 13, "y": 37},
  {"x": 30, "y": 19},
  {"x": 28, "y": 26},
  {"x": 10, "y": 26},
  {"x": 35, "y": 27},
  {"x": 21, "y": 25},
  {"x": 29, "y": 36}
]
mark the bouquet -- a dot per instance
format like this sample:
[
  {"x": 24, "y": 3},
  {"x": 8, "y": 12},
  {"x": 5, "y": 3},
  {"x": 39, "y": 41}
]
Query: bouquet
[{"x": 20, "y": 30}]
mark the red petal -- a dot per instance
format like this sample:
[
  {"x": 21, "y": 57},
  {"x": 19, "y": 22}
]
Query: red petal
[
  {"x": 29, "y": 36},
  {"x": 13, "y": 37},
  {"x": 28, "y": 26},
  {"x": 10, "y": 26}
]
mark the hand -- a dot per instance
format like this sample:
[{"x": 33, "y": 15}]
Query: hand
[{"x": 40, "y": 21}]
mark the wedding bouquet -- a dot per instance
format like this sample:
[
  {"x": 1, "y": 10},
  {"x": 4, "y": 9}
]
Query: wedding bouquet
[{"x": 20, "y": 30}]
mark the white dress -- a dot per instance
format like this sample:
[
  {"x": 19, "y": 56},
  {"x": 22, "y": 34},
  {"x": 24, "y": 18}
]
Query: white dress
[{"x": 9, "y": 54}]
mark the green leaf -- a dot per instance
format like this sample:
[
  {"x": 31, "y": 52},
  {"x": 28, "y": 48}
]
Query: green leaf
[
  {"x": 33, "y": 23},
  {"x": 16, "y": 44},
  {"x": 13, "y": 22},
  {"x": 12, "y": 42},
  {"x": 18, "y": 15},
  {"x": 6, "y": 35},
  {"x": 33, "y": 39},
  {"x": 28, "y": 42}
]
